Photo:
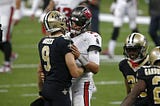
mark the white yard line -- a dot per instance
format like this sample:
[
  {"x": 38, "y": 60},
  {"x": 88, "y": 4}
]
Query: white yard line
[
  {"x": 109, "y": 18},
  {"x": 116, "y": 58},
  {"x": 115, "y": 102},
  {"x": 3, "y": 90},
  {"x": 33, "y": 46},
  {"x": 17, "y": 85},
  {"x": 105, "y": 17},
  {"x": 24, "y": 65},
  {"x": 109, "y": 82},
  {"x": 34, "y": 84},
  {"x": 30, "y": 95},
  {"x": 103, "y": 58}
]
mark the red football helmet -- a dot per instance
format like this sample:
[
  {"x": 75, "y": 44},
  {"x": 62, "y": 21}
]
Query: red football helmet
[{"x": 81, "y": 17}]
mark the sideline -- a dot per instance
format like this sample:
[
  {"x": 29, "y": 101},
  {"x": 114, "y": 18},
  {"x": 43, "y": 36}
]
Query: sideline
[
  {"x": 109, "y": 18},
  {"x": 115, "y": 59},
  {"x": 104, "y": 17}
]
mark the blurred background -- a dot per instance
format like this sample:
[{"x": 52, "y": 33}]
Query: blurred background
[{"x": 19, "y": 87}]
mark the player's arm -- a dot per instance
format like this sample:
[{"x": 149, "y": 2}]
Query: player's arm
[
  {"x": 94, "y": 2},
  {"x": 34, "y": 8},
  {"x": 39, "y": 100},
  {"x": 128, "y": 89},
  {"x": 40, "y": 76},
  {"x": 91, "y": 64},
  {"x": 131, "y": 97},
  {"x": 75, "y": 71},
  {"x": 50, "y": 6}
]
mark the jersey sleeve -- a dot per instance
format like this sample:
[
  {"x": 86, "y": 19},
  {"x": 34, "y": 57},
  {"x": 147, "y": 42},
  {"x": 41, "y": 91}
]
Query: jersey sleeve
[
  {"x": 121, "y": 64},
  {"x": 141, "y": 74},
  {"x": 64, "y": 45},
  {"x": 95, "y": 41}
]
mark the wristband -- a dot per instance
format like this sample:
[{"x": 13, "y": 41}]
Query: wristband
[
  {"x": 84, "y": 69},
  {"x": 83, "y": 60}
]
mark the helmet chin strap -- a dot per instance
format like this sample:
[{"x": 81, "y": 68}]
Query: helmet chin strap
[{"x": 75, "y": 33}]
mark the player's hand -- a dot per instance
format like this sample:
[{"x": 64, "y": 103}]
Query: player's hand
[
  {"x": 32, "y": 17},
  {"x": 40, "y": 73},
  {"x": 75, "y": 51},
  {"x": 42, "y": 76}
]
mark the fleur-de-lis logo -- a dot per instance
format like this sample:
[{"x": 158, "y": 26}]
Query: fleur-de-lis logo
[{"x": 64, "y": 91}]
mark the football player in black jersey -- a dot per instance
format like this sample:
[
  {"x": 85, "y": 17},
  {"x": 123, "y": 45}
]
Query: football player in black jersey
[
  {"x": 57, "y": 61},
  {"x": 135, "y": 51},
  {"x": 148, "y": 78}
]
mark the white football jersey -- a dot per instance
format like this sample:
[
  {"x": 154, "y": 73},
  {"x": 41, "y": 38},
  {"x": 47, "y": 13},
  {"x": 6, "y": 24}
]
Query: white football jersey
[
  {"x": 84, "y": 41},
  {"x": 82, "y": 87},
  {"x": 6, "y": 11},
  {"x": 66, "y": 6}
]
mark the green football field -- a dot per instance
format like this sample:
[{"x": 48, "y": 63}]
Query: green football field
[{"x": 19, "y": 88}]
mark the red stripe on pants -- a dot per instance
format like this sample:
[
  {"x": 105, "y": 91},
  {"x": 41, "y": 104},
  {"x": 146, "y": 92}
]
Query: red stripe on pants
[
  {"x": 9, "y": 25},
  {"x": 86, "y": 94}
]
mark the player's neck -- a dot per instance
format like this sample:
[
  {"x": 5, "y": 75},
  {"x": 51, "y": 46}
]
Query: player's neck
[{"x": 57, "y": 34}]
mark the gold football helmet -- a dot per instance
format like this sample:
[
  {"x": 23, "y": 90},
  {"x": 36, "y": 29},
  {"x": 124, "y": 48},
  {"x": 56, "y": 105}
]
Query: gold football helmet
[
  {"x": 54, "y": 21},
  {"x": 136, "y": 47},
  {"x": 155, "y": 55}
]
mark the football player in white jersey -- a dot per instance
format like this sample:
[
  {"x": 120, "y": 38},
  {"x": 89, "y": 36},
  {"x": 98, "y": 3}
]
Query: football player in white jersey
[
  {"x": 7, "y": 18},
  {"x": 121, "y": 8},
  {"x": 89, "y": 45}
]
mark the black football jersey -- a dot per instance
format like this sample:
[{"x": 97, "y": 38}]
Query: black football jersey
[
  {"x": 151, "y": 75},
  {"x": 130, "y": 74},
  {"x": 52, "y": 52}
]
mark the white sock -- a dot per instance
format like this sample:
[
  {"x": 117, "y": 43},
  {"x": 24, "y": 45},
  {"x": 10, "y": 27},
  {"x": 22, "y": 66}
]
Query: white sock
[{"x": 111, "y": 46}]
